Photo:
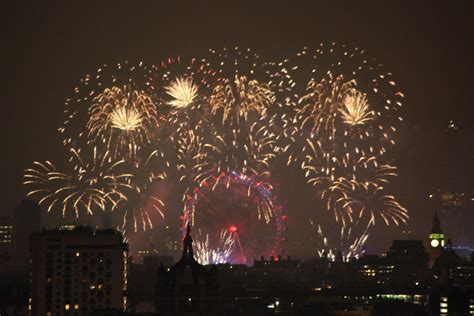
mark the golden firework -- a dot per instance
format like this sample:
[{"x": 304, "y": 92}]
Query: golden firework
[
  {"x": 123, "y": 119},
  {"x": 183, "y": 92},
  {"x": 241, "y": 97}
]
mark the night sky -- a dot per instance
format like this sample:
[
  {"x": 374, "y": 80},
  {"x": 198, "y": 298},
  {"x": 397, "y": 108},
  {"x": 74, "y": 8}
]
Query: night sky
[{"x": 428, "y": 45}]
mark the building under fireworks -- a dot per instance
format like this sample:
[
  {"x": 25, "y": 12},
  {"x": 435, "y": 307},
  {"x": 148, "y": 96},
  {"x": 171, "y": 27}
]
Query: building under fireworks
[
  {"x": 78, "y": 271},
  {"x": 187, "y": 288}
]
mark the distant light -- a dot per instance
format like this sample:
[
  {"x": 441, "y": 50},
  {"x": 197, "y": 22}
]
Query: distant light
[
  {"x": 67, "y": 227},
  {"x": 232, "y": 228},
  {"x": 452, "y": 125}
]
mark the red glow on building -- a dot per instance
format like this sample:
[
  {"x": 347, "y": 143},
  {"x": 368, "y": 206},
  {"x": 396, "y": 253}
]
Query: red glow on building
[{"x": 232, "y": 228}]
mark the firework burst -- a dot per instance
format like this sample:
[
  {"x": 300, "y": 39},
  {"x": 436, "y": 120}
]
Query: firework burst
[
  {"x": 242, "y": 135},
  {"x": 344, "y": 121},
  {"x": 179, "y": 81},
  {"x": 183, "y": 92},
  {"x": 204, "y": 118},
  {"x": 348, "y": 94},
  {"x": 138, "y": 209},
  {"x": 356, "y": 110},
  {"x": 123, "y": 119},
  {"x": 184, "y": 86},
  {"x": 246, "y": 148},
  {"x": 350, "y": 104},
  {"x": 323, "y": 104},
  {"x": 220, "y": 253},
  {"x": 192, "y": 159},
  {"x": 94, "y": 183},
  {"x": 119, "y": 84},
  {"x": 346, "y": 183},
  {"x": 236, "y": 200},
  {"x": 368, "y": 200},
  {"x": 240, "y": 98},
  {"x": 349, "y": 241}
]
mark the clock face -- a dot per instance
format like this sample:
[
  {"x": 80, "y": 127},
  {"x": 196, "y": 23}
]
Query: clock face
[{"x": 435, "y": 243}]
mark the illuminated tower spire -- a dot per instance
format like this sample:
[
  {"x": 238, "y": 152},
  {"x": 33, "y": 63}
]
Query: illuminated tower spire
[{"x": 436, "y": 240}]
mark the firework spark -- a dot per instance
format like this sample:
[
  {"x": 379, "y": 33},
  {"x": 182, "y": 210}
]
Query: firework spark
[{"x": 183, "y": 91}]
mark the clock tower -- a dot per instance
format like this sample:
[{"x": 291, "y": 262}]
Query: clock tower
[{"x": 437, "y": 241}]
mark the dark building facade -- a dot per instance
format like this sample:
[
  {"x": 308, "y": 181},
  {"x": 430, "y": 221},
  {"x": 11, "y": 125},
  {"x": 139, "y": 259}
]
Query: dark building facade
[
  {"x": 26, "y": 221},
  {"x": 187, "y": 288},
  {"x": 75, "y": 272},
  {"x": 6, "y": 240}
]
